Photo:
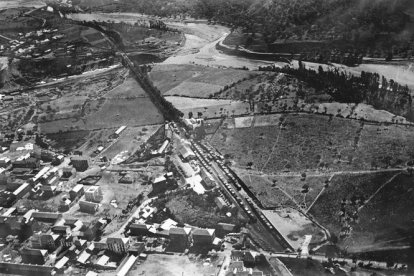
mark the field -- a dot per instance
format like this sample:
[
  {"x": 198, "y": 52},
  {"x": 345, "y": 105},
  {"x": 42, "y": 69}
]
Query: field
[
  {"x": 129, "y": 142},
  {"x": 9, "y": 4},
  {"x": 118, "y": 112},
  {"x": 167, "y": 265},
  {"x": 293, "y": 226},
  {"x": 102, "y": 102},
  {"x": 305, "y": 142},
  {"x": 314, "y": 142},
  {"x": 194, "y": 80},
  {"x": 283, "y": 191},
  {"x": 68, "y": 140},
  {"x": 384, "y": 146},
  {"x": 209, "y": 108},
  {"x": 387, "y": 220},
  {"x": 344, "y": 196}
]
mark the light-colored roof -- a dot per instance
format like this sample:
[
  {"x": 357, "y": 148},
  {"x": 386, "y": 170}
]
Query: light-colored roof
[
  {"x": 119, "y": 130},
  {"x": 84, "y": 256},
  {"x": 159, "y": 179},
  {"x": 103, "y": 260},
  {"x": 21, "y": 189},
  {"x": 167, "y": 224},
  {"x": 61, "y": 262},
  {"x": 195, "y": 184},
  {"x": 41, "y": 173},
  {"x": 127, "y": 266},
  {"x": 77, "y": 188},
  {"x": 91, "y": 273}
]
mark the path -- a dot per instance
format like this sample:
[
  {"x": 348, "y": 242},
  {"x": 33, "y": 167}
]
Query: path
[{"x": 273, "y": 150}]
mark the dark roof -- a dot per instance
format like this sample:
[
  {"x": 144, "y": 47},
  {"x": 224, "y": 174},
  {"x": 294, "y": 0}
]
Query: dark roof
[
  {"x": 226, "y": 226},
  {"x": 201, "y": 232},
  {"x": 60, "y": 228},
  {"x": 46, "y": 215},
  {"x": 138, "y": 226},
  {"x": 177, "y": 231}
]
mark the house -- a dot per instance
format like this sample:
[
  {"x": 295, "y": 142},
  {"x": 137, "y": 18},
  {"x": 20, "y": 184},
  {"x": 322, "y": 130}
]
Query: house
[
  {"x": 61, "y": 263},
  {"x": 94, "y": 194},
  {"x": 221, "y": 204},
  {"x": 88, "y": 207},
  {"x": 67, "y": 172},
  {"x": 40, "y": 174},
  {"x": 168, "y": 224},
  {"x": 45, "y": 241},
  {"x": 7, "y": 198},
  {"x": 48, "y": 191},
  {"x": 22, "y": 190},
  {"x": 119, "y": 131},
  {"x": 76, "y": 191},
  {"x": 137, "y": 248},
  {"x": 118, "y": 245},
  {"x": 83, "y": 257},
  {"x": 48, "y": 217},
  {"x": 185, "y": 169},
  {"x": 138, "y": 229},
  {"x": 208, "y": 180},
  {"x": 103, "y": 260},
  {"x": 179, "y": 237},
  {"x": 203, "y": 237},
  {"x": 61, "y": 230},
  {"x": 159, "y": 184},
  {"x": 224, "y": 229},
  {"x": 4, "y": 162},
  {"x": 33, "y": 256},
  {"x": 79, "y": 163},
  {"x": 186, "y": 153}
]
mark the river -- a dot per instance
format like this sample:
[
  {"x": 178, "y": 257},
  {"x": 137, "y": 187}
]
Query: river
[{"x": 200, "y": 48}]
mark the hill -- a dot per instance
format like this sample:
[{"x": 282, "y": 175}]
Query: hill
[{"x": 318, "y": 30}]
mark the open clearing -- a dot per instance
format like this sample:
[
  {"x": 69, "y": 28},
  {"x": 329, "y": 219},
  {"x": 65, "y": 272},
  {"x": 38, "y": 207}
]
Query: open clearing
[
  {"x": 305, "y": 142},
  {"x": 344, "y": 196},
  {"x": 315, "y": 142},
  {"x": 173, "y": 265},
  {"x": 387, "y": 220},
  {"x": 283, "y": 191},
  {"x": 294, "y": 226}
]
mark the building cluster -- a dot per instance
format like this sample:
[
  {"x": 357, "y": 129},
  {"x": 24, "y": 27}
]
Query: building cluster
[{"x": 243, "y": 262}]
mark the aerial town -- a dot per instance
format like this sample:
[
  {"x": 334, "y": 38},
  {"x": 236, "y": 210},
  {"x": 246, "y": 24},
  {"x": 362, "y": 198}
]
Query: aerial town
[{"x": 193, "y": 138}]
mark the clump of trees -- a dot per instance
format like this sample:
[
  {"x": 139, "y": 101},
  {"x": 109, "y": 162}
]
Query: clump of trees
[{"x": 369, "y": 88}]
